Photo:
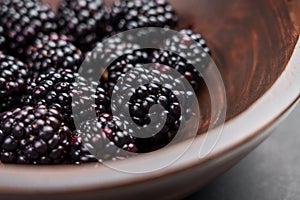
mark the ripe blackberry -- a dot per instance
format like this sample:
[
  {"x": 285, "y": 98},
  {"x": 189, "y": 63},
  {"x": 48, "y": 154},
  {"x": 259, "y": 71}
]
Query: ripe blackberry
[
  {"x": 79, "y": 153},
  {"x": 190, "y": 48},
  {"x": 33, "y": 136},
  {"x": 187, "y": 41},
  {"x": 100, "y": 139},
  {"x": 22, "y": 20},
  {"x": 124, "y": 64},
  {"x": 13, "y": 82},
  {"x": 125, "y": 59},
  {"x": 52, "y": 52},
  {"x": 60, "y": 91},
  {"x": 79, "y": 19},
  {"x": 163, "y": 89},
  {"x": 146, "y": 96},
  {"x": 130, "y": 14}
]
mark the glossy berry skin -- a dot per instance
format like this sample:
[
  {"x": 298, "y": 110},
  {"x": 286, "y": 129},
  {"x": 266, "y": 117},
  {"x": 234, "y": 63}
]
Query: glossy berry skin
[
  {"x": 33, "y": 135},
  {"x": 188, "y": 40},
  {"x": 79, "y": 154},
  {"x": 22, "y": 21},
  {"x": 52, "y": 52},
  {"x": 57, "y": 90},
  {"x": 2, "y": 39},
  {"x": 121, "y": 65},
  {"x": 144, "y": 98},
  {"x": 130, "y": 14},
  {"x": 104, "y": 140},
  {"x": 82, "y": 21},
  {"x": 161, "y": 90},
  {"x": 124, "y": 64},
  {"x": 14, "y": 76},
  {"x": 190, "y": 49}
]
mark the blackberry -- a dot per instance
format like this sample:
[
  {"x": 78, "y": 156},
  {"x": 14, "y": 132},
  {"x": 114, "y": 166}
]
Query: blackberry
[
  {"x": 79, "y": 19},
  {"x": 188, "y": 39},
  {"x": 22, "y": 20},
  {"x": 101, "y": 139},
  {"x": 60, "y": 91},
  {"x": 52, "y": 52},
  {"x": 33, "y": 136},
  {"x": 163, "y": 89},
  {"x": 188, "y": 51},
  {"x": 130, "y": 14},
  {"x": 13, "y": 82},
  {"x": 124, "y": 64},
  {"x": 125, "y": 59},
  {"x": 140, "y": 104},
  {"x": 79, "y": 153}
]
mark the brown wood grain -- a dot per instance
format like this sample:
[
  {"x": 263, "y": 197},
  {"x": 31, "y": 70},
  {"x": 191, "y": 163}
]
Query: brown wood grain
[
  {"x": 294, "y": 8},
  {"x": 251, "y": 42}
]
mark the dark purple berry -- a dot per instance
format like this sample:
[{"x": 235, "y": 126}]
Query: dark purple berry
[
  {"x": 100, "y": 140},
  {"x": 190, "y": 49},
  {"x": 14, "y": 76},
  {"x": 58, "y": 90},
  {"x": 22, "y": 21},
  {"x": 53, "y": 52},
  {"x": 2, "y": 39},
  {"x": 124, "y": 64},
  {"x": 130, "y": 14},
  {"x": 81, "y": 20},
  {"x": 28, "y": 141}
]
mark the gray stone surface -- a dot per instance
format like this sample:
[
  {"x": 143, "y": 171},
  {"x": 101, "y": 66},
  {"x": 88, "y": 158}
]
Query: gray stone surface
[{"x": 270, "y": 172}]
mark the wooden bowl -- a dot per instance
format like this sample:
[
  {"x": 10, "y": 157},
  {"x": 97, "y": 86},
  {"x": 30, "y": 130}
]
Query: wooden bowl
[{"x": 254, "y": 44}]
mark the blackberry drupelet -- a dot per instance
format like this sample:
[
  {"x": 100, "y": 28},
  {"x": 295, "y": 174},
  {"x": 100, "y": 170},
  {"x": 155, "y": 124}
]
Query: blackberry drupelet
[
  {"x": 80, "y": 19},
  {"x": 52, "y": 52},
  {"x": 130, "y": 14},
  {"x": 60, "y": 91},
  {"x": 34, "y": 135},
  {"x": 101, "y": 136},
  {"x": 191, "y": 48},
  {"x": 13, "y": 82},
  {"x": 188, "y": 39},
  {"x": 124, "y": 64},
  {"x": 22, "y": 21},
  {"x": 2, "y": 39},
  {"x": 102, "y": 100}
]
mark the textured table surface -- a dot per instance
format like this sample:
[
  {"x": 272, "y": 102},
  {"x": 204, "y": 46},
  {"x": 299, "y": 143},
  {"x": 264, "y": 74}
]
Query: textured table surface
[{"x": 270, "y": 172}]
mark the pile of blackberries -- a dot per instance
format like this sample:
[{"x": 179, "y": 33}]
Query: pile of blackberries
[{"x": 41, "y": 52}]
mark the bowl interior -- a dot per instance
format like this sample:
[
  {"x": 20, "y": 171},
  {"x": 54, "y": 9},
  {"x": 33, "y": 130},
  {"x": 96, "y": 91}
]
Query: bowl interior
[{"x": 251, "y": 43}]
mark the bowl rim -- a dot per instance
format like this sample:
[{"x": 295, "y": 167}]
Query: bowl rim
[{"x": 14, "y": 179}]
